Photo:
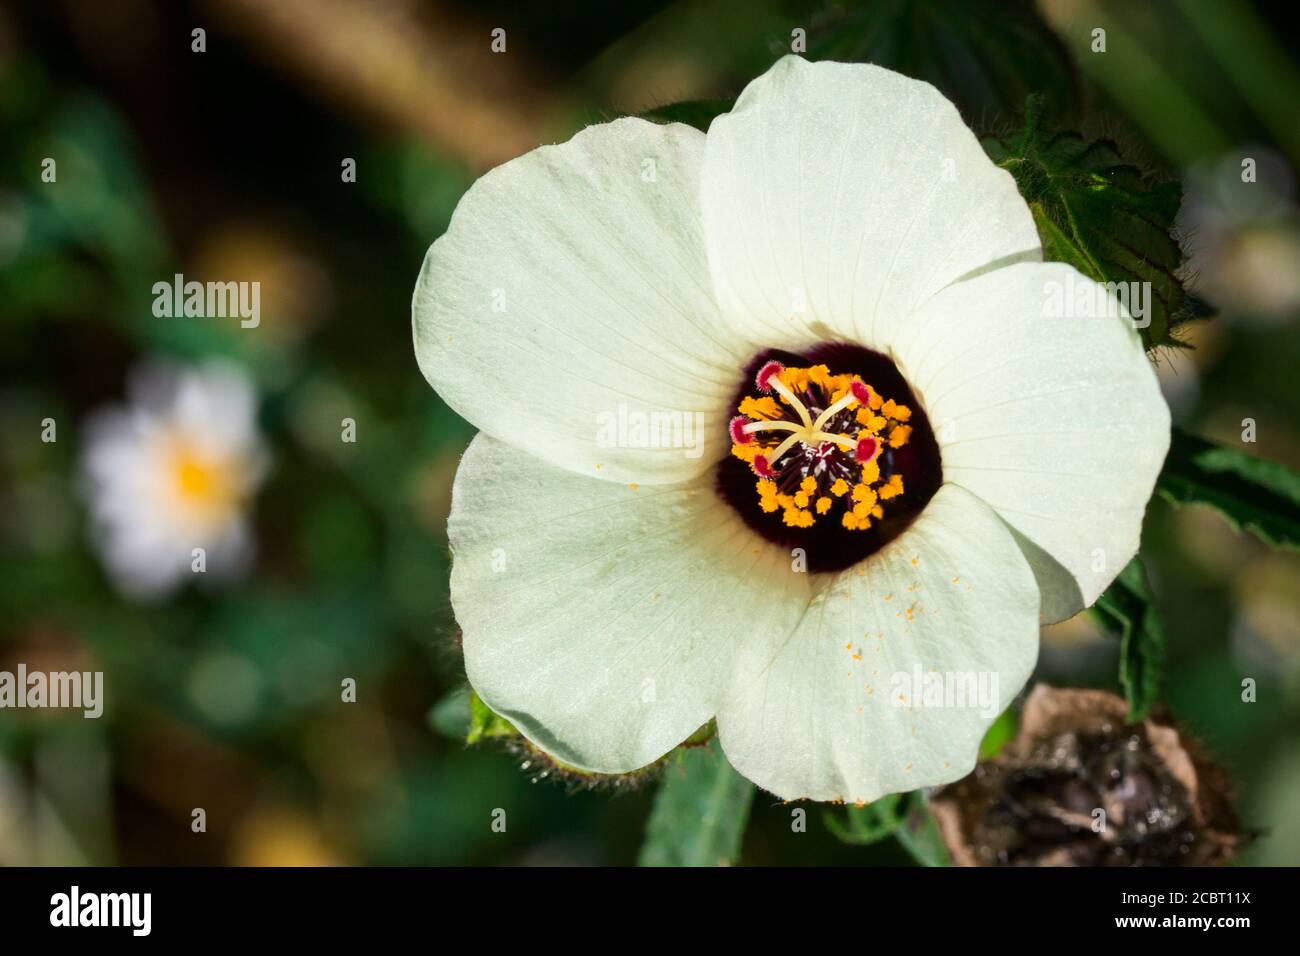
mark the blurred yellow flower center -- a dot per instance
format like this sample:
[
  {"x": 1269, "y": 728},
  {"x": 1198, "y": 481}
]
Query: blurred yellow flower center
[
  {"x": 202, "y": 483},
  {"x": 816, "y": 440}
]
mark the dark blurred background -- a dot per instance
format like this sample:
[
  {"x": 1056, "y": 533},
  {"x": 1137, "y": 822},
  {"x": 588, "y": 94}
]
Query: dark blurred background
[{"x": 226, "y": 163}]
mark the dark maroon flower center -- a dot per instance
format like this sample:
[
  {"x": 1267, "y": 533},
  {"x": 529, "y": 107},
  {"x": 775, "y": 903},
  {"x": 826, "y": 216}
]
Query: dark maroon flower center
[{"x": 814, "y": 468}]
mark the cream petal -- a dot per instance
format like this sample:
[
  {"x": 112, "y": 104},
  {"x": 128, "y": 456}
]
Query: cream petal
[
  {"x": 571, "y": 293},
  {"x": 838, "y": 197},
  {"x": 599, "y": 618},
  {"x": 823, "y": 712},
  {"x": 1056, "y": 421}
]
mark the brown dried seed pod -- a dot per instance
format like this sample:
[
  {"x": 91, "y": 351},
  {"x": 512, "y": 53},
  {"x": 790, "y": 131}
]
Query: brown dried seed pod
[{"x": 1079, "y": 786}]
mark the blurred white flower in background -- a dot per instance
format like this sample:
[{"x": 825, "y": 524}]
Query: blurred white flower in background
[{"x": 174, "y": 471}]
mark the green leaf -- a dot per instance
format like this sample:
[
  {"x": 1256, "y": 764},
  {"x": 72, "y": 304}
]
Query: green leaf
[
  {"x": 986, "y": 56},
  {"x": 1261, "y": 496},
  {"x": 697, "y": 113},
  {"x": 920, "y": 835},
  {"x": 484, "y": 724},
  {"x": 450, "y": 716},
  {"x": 1128, "y": 609},
  {"x": 1102, "y": 216},
  {"x": 872, "y": 823},
  {"x": 1001, "y": 733},
  {"x": 699, "y": 813}
]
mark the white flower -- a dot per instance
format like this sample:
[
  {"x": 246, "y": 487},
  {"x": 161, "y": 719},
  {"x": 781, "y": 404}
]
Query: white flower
[
  {"x": 173, "y": 472},
  {"x": 614, "y": 599}
]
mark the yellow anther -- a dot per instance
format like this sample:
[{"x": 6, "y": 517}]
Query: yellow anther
[
  {"x": 871, "y": 422},
  {"x": 864, "y": 495},
  {"x": 798, "y": 518},
  {"x": 800, "y": 430},
  {"x": 763, "y": 408},
  {"x": 795, "y": 379},
  {"x": 819, "y": 375}
]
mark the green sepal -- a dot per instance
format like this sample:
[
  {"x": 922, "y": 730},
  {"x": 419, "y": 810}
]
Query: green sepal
[
  {"x": 484, "y": 724},
  {"x": 697, "y": 113},
  {"x": 870, "y": 823},
  {"x": 904, "y": 816}
]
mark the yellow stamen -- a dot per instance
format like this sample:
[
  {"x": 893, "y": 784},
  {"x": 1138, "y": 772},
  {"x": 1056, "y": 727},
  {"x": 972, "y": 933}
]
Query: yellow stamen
[
  {"x": 872, "y": 423},
  {"x": 790, "y": 399},
  {"x": 827, "y": 463},
  {"x": 774, "y": 456},
  {"x": 753, "y": 427},
  {"x": 833, "y": 410},
  {"x": 864, "y": 494},
  {"x": 844, "y": 441},
  {"x": 763, "y": 407}
]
